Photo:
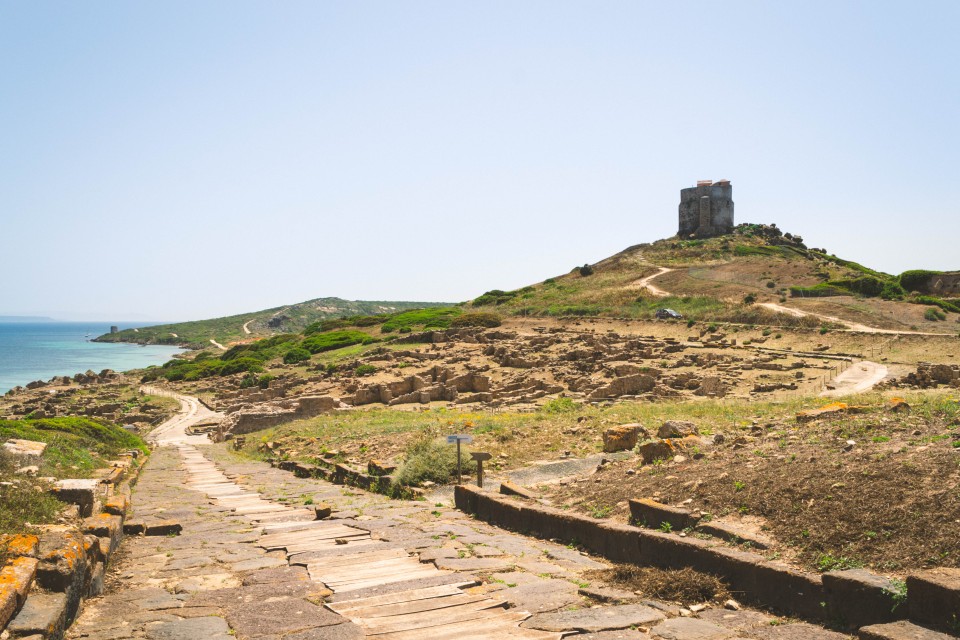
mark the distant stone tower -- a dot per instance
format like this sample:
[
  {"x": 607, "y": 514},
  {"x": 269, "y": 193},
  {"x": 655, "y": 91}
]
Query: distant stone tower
[{"x": 706, "y": 210}]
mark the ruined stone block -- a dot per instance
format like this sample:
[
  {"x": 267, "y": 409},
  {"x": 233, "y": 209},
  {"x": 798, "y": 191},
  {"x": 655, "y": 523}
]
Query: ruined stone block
[
  {"x": 935, "y": 597},
  {"x": 860, "y": 598},
  {"x": 621, "y": 438},
  {"x": 653, "y": 514}
]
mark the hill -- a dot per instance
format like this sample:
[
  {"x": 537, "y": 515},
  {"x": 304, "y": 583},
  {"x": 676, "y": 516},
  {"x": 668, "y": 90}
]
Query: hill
[
  {"x": 288, "y": 319},
  {"x": 756, "y": 275}
]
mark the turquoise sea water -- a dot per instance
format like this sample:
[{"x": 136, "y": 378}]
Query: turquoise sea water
[{"x": 40, "y": 350}]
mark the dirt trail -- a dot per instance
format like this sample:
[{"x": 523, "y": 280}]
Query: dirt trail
[
  {"x": 217, "y": 345},
  {"x": 645, "y": 283},
  {"x": 246, "y": 327},
  {"x": 174, "y": 430},
  {"x": 860, "y": 377}
]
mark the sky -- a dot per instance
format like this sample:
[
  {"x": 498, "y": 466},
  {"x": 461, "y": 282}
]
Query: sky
[{"x": 181, "y": 160}]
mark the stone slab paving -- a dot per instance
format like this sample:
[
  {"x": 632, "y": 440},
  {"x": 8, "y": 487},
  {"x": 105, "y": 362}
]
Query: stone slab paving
[{"x": 252, "y": 563}]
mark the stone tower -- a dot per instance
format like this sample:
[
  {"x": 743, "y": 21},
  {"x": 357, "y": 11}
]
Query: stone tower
[{"x": 706, "y": 210}]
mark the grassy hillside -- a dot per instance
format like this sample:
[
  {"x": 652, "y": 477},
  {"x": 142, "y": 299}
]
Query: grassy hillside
[
  {"x": 289, "y": 319},
  {"x": 730, "y": 278}
]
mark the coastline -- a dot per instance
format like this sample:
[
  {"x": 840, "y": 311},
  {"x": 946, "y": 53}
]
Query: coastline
[{"x": 39, "y": 351}]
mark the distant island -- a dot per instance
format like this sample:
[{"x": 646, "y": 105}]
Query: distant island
[{"x": 26, "y": 319}]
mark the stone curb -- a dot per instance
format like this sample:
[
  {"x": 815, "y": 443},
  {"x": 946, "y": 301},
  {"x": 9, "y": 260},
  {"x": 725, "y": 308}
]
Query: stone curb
[
  {"x": 66, "y": 563},
  {"x": 856, "y": 598}
]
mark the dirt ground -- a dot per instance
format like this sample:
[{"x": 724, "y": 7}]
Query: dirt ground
[{"x": 874, "y": 488}]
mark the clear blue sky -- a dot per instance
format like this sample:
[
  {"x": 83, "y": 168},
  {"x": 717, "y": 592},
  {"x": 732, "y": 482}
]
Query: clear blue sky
[{"x": 183, "y": 160}]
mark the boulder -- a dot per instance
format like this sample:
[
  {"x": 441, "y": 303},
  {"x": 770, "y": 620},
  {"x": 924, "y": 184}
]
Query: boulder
[
  {"x": 656, "y": 450},
  {"x": 621, "y": 438},
  {"x": 677, "y": 429}
]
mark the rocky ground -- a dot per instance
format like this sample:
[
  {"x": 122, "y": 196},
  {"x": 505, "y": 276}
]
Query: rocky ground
[{"x": 215, "y": 581}]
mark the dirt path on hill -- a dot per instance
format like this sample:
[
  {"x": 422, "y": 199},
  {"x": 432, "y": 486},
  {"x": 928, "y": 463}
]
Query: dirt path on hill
[
  {"x": 645, "y": 283},
  {"x": 861, "y": 376},
  {"x": 217, "y": 345},
  {"x": 246, "y": 327}
]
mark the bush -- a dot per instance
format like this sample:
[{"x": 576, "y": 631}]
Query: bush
[
  {"x": 434, "y": 318},
  {"x": 364, "y": 370},
  {"x": 934, "y": 315},
  {"x": 892, "y": 291},
  {"x": 432, "y": 460},
  {"x": 917, "y": 279},
  {"x": 559, "y": 405},
  {"x": 585, "y": 270},
  {"x": 477, "y": 319},
  {"x": 295, "y": 355},
  {"x": 749, "y": 298},
  {"x": 336, "y": 340},
  {"x": 938, "y": 302},
  {"x": 495, "y": 297}
]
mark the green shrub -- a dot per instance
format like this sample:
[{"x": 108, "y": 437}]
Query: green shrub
[
  {"x": 495, "y": 297},
  {"x": 750, "y": 298},
  {"x": 562, "y": 404},
  {"x": 336, "y": 340},
  {"x": 892, "y": 291},
  {"x": 933, "y": 314},
  {"x": 585, "y": 270},
  {"x": 477, "y": 319},
  {"x": 822, "y": 290},
  {"x": 364, "y": 370},
  {"x": 432, "y": 460},
  {"x": 433, "y": 318},
  {"x": 943, "y": 304},
  {"x": 917, "y": 279},
  {"x": 295, "y": 355}
]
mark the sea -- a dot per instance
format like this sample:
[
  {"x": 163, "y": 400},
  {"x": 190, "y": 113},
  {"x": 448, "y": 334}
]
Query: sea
[{"x": 40, "y": 350}]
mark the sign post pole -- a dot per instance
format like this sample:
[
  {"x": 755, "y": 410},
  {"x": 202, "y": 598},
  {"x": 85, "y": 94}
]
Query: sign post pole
[{"x": 458, "y": 438}]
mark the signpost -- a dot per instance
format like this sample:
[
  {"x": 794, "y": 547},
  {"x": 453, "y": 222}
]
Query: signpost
[
  {"x": 480, "y": 456},
  {"x": 458, "y": 438}
]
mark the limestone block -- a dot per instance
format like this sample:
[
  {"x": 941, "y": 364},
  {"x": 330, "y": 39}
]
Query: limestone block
[
  {"x": 677, "y": 429},
  {"x": 164, "y": 528},
  {"x": 653, "y": 514},
  {"x": 860, "y": 597},
  {"x": 935, "y": 596},
  {"x": 24, "y": 447},
  {"x": 621, "y": 438},
  {"x": 902, "y": 630},
  {"x": 105, "y": 525},
  {"x": 44, "y": 614},
  {"x": 84, "y": 493},
  {"x": 117, "y": 505}
]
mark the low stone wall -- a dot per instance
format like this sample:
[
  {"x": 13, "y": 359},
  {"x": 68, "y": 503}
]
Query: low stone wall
[
  {"x": 342, "y": 474},
  {"x": 43, "y": 586},
  {"x": 855, "y": 598}
]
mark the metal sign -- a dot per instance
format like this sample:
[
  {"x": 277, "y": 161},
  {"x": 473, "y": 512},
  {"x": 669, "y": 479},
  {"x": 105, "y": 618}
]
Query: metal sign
[{"x": 458, "y": 438}]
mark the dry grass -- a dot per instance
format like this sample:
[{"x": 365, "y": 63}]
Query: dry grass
[{"x": 683, "y": 586}]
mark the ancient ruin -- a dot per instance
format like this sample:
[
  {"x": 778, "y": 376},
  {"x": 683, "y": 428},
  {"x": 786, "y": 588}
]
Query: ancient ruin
[{"x": 706, "y": 210}]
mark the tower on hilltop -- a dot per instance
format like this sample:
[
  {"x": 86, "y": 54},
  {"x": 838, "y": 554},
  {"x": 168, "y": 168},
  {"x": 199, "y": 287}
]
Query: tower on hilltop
[{"x": 706, "y": 210}]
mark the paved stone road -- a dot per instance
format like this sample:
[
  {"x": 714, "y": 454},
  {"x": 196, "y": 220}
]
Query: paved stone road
[{"x": 248, "y": 566}]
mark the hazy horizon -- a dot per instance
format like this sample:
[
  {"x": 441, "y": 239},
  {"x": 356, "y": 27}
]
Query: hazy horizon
[{"x": 193, "y": 160}]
